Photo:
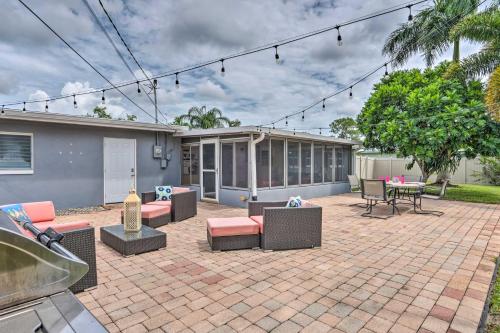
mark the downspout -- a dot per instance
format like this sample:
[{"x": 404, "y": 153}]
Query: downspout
[{"x": 253, "y": 163}]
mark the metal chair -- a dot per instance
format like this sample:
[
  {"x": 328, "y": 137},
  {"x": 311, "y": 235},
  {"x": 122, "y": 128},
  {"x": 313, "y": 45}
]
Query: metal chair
[
  {"x": 374, "y": 190},
  {"x": 356, "y": 188}
]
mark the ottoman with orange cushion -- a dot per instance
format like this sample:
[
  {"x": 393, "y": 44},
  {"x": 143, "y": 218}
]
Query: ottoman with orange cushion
[
  {"x": 232, "y": 233},
  {"x": 154, "y": 216}
]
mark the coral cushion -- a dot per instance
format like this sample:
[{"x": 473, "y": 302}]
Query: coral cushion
[
  {"x": 181, "y": 189},
  {"x": 63, "y": 227},
  {"x": 232, "y": 226},
  {"x": 160, "y": 203},
  {"x": 152, "y": 211},
  {"x": 259, "y": 219},
  {"x": 42, "y": 211}
]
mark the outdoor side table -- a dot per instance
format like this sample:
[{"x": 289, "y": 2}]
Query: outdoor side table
[{"x": 130, "y": 243}]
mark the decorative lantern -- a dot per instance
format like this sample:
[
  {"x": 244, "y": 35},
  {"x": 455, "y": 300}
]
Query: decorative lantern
[{"x": 132, "y": 212}]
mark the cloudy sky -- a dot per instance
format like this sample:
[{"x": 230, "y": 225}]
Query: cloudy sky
[{"x": 167, "y": 35}]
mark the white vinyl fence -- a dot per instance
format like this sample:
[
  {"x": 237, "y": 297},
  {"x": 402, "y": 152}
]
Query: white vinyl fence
[{"x": 372, "y": 167}]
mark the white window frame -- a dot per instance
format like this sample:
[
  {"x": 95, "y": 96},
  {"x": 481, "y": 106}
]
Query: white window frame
[
  {"x": 233, "y": 143},
  {"x": 29, "y": 171},
  {"x": 190, "y": 146}
]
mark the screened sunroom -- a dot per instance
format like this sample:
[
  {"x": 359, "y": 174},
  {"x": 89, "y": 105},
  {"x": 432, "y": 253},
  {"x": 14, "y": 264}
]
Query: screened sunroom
[{"x": 233, "y": 165}]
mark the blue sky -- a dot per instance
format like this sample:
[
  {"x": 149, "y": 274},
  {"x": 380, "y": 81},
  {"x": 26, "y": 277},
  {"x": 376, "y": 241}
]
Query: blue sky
[{"x": 166, "y": 35}]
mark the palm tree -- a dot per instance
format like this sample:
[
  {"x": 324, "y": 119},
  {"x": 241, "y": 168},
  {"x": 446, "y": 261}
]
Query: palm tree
[
  {"x": 201, "y": 118},
  {"x": 429, "y": 32}
]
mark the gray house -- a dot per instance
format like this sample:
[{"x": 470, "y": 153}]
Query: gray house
[{"x": 80, "y": 161}]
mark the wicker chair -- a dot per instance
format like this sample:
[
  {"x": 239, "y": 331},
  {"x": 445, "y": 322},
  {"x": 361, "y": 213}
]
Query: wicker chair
[
  {"x": 287, "y": 228},
  {"x": 183, "y": 204},
  {"x": 374, "y": 190}
]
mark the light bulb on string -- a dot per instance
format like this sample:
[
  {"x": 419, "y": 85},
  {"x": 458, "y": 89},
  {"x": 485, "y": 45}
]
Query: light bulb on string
[
  {"x": 74, "y": 102},
  {"x": 303, "y": 116},
  {"x": 320, "y": 131},
  {"x": 47, "y": 106},
  {"x": 410, "y": 17},
  {"x": 222, "y": 69},
  {"x": 350, "y": 92},
  {"x": 286, "y": 121},
  {"x": 339, "y": 37},
  {"x": 3, "y": 109},
  {"x": 24, "y": 106},
  {"x": 294, "y": 131},
  {"x": 177, "y": 84},
  {"x": 273, "y": 126},
  {"x": 276, "y": 55},
  {"x": 386, "y": 72},
  {"x": 138, "y": 88},
  {"x": 324, "y": 106},
  {"x": 103, "y": 99}
]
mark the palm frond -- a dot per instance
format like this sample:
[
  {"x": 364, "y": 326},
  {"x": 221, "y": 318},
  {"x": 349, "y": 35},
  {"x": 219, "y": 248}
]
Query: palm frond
[
  {"x": 481, "y": 27},
  {"x": 483, "y": 62}
]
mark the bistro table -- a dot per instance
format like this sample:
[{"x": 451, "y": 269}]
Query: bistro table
[
  {"x": 413, "y": 190},
  {"x": 133, "y": 242}
]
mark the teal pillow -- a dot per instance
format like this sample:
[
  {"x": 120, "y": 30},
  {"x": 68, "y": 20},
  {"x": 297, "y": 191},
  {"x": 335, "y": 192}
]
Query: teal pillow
[
  {"x": 163, "y": 193},
  {"x": 294, "y": 202},
  {"x": 16, "y": 212}
]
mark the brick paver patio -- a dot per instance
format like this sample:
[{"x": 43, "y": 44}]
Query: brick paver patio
[{"x": 410, "y": 273}]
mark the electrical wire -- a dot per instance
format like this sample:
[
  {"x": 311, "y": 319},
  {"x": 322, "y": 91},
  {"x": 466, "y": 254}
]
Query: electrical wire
[
  {"x": 83, "y": 58},
  {"x": 262, "y": 48}
]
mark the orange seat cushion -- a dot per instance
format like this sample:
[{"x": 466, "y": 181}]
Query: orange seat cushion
[
  {"x": 152, "y": 211},
  {"x": 180, "y": 189},
  {"x": 164, "y": 203},
  {"x": 259, "y": 219},
  {"x": 42, "y": 211},
  {"x": 62, "y": 227},
  {"x": 232, "y": 226}
]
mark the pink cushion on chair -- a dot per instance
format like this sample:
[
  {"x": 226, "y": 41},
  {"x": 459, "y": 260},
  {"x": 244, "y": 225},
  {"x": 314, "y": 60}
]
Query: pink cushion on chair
[
  {"x": 232, "y": 226},
  {"x": 259, "y": 219},
  {"x": 42, "y": 211},
  {"x": 62, "y": 227},
  {"x": 151, "y": 211},
  {"x": 164, "y": 203},
  {"x": 180, "y": 190}
]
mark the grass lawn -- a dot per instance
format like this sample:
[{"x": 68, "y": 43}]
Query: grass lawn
[
  {"x": 494, "y": 316},
  {"x": 469, "y": 192}
]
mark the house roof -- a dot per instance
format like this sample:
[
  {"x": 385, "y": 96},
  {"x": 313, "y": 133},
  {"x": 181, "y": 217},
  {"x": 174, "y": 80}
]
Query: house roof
[
  {"x": 58, "y": 118},
  {"x": 257, "y": 130}
]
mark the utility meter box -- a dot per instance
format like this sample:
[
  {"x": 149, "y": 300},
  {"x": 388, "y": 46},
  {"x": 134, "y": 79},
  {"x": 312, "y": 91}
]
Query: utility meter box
[{"x": 157, "y": 151}]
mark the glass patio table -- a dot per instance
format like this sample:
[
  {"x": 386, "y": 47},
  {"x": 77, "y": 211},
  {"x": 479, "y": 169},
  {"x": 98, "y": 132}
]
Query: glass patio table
[{"x": 414, "y": 191}]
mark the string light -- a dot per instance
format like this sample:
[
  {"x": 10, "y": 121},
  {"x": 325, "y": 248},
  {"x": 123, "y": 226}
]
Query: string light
[
  {"x": 386, "y": 72},
  {"x": 320, "y": 131},
  {"x": 46, "y": 106},
  {"x": 324, "y": 106},
  {"x": 350, "y": 92},
  {"x": 286, "y": 122},
  {"x": 273, "y": 126},
  {"x": 410, "y": 17},
  {"x": 276, "y": 55},
  {"x": 24, "y": 106},
  {"x": 177, "y": 84},
  {"x": 222, "y": 69},
  {"x": 103, "y": 99},
  {"x": 339, "y": 37},
  {"x": 294, "y": 131},
  {"x": 74, "y": 102},
  {"x": 138, "y": 88},
  {"x": 303, "y": 116},
  {"x": 3, "y": 109}
]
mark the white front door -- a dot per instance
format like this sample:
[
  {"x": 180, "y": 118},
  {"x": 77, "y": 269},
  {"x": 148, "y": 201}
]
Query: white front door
[
  {"x": 209, "y": 160},
  {"x": 119, "y": 168}
]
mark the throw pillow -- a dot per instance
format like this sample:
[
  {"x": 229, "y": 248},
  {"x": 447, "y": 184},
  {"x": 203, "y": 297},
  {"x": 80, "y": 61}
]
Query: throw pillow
[
  {"x": 294, "y": 202},
  {"x": 17, "y": 213},
  {"x": 163, "y": 193}
]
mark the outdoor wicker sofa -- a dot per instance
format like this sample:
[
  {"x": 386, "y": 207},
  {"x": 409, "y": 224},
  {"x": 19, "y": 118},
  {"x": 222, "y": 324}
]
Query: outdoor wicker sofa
[
  {"x": 232, "y": 233},
  {"x": 183, "y": 203},
  {"x": 283, "y": 228},
  {"x": 79, "y": 238}
]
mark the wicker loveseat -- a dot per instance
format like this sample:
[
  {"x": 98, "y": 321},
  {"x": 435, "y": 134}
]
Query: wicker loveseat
[
  {"x": 183, "y": 203},
  {"x": 283, "y": 228},
  {"x": 79, "y": 238}
]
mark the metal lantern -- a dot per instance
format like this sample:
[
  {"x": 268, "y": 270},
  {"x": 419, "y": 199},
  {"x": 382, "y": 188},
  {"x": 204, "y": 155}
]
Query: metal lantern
[{"x": 132, "y": 212}]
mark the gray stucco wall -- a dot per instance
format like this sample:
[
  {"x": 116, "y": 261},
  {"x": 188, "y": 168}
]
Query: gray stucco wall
[{"x": 68, "y": 164}]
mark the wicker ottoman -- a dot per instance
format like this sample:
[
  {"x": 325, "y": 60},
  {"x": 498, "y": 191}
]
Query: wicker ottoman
[
  {"x": 130, "y": 243},
  {"x": 154, "y": 216},
  {"x": 233, "y": 233}
]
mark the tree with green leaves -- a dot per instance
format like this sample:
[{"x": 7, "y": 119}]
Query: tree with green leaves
[
  {"x": 429, "y": 32},
  {"x": 100, "y": 112},
  {"x": 203, "y": 118},
  {"x": 434, "y": 121},
  {"x": 345, "y": 128},
  {"x": 235, "y": 123},
  {"x": 131, "y": 117}
]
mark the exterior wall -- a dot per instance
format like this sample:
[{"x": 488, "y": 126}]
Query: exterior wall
[
  {"x": 376, "y": 166},
  {"x": 68, "y": 164}
]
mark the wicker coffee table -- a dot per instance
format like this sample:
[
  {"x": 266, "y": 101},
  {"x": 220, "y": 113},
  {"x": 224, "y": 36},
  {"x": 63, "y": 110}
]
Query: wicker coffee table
[{"x": 130, "y": 243}]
